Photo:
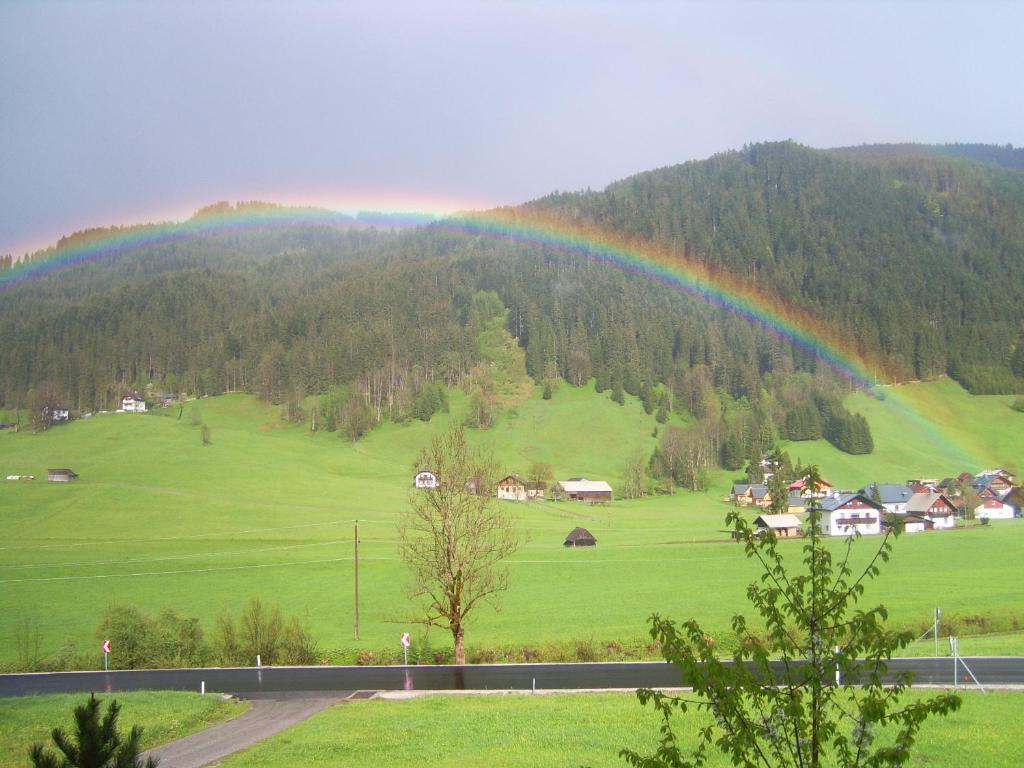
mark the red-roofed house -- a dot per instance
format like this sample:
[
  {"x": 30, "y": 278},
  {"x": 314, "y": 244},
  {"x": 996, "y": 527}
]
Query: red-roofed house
[{"x": 994, "y": 509}]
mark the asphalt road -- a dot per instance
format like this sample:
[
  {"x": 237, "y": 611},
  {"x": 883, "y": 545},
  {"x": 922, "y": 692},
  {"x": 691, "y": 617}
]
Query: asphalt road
[
  {"x": 265, "y": 718},
  {"x": 247, "y": 681}
]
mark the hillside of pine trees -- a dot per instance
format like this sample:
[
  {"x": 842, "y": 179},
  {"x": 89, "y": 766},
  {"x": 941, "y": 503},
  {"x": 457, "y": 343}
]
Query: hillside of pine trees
[{"x": 917, "y": 253}]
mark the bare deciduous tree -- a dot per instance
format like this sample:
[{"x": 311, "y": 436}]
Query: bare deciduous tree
[{"x": 454, "y": 540}]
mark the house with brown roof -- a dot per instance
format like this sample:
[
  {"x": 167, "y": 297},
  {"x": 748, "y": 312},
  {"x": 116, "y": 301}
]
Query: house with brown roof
[
  {"x": 935, "y": 507},
  {"x": 511, "y": 488},
  {"x": 133, "y": 402}
]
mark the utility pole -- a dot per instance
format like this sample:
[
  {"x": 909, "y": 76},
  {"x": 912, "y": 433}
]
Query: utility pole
[{"x": 355, "y": 539}]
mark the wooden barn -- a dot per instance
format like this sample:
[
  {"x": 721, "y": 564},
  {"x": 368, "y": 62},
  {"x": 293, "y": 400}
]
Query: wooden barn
[
  {"x": 60, "y": 475},
  {"x": 581, "y": 489},
  {"x": 580, "y": 537}
]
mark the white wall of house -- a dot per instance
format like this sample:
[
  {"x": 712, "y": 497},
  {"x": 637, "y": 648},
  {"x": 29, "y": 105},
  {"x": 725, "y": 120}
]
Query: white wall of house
[
  {"x": 942, "y": 521},
  {"x": 994, "y": 512},
  {"x": 425, "y": 480},
  {"x": 841, "y": 522},
  {"x": 512, "y": 492}
]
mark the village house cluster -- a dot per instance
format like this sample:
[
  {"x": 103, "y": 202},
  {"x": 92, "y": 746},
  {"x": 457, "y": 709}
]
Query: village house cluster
[
  {"x": 915, "y": 506},
  {"x": 513, "y": 488}
]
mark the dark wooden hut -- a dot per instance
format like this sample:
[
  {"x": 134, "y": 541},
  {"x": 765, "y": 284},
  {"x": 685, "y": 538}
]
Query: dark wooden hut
[
  {"x": 580, "y": 537},
  {"x": 60, "y": 475}
]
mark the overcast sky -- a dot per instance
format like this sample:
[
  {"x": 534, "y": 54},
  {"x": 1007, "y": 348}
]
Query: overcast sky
[{"x": 116, "y": 112}]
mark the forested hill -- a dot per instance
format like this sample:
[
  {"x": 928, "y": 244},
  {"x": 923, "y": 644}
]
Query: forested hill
[
  {"x": 915, "y": 252},
  {"x": 917, "y": 256}
]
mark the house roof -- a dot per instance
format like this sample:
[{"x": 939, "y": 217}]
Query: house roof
[
  {"x": 580, "y": 534},
  {"x": 582, "y": 485},
  {"x": 912, "y": 518},
  {"x": 893, "y": 519},
  {"x": 799, "y": 484},
  {"x": 922, "y": 502},
  {"x": 133, "y": 395},
  {"x": 778, "y": 521},
  {"x": 832, "y": 503},
  {"x": 511, "y": 478},
  {"x": 889, "y": 493},
  {"x": 757, "y": 490},
  {"x": 992, "y": 504}
]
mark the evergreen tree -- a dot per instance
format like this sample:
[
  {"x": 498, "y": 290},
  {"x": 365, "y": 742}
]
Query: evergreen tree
[{"x": 95, "y": 743}]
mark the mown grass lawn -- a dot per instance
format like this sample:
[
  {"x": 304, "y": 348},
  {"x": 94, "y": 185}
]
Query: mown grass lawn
[
  {"x": 572, "y": 730},
  {"x": 165, "y": 716},
  {"x": 158, "y": 520}
]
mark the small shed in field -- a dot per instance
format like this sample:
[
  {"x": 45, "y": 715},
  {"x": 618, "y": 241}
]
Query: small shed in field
[
  {"x": 580, "y": 537},
  {"x": 60, "y": 475},
  {"x": 784, "y": 525}
]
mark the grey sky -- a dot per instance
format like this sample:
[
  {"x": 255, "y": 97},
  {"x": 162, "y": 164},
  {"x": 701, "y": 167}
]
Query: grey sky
[{"x": 120, "y": 112}]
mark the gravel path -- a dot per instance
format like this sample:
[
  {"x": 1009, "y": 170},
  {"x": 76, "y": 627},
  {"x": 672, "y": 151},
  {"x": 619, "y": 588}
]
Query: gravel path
[{"x": 266, "y": 717}]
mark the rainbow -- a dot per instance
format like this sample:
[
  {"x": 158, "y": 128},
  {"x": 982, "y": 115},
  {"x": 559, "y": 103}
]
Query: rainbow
[
  {"x": 96, "y": 244},
  {"x": 715, "y": 286}
]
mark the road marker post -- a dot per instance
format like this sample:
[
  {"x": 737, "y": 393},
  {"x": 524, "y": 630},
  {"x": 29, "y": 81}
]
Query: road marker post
[
  {"x": 105, "y": 648},
  {"x": 406, "y": 642}
]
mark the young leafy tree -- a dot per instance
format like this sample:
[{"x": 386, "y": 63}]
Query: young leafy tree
[
  {"x": 454, "y": 540},
  {"x": 95, "y": 743},
  {"x": 811, "y": 687}
]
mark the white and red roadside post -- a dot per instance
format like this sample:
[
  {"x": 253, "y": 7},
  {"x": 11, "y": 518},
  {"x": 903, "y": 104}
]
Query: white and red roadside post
[
  {"x": 406, "y": 642},
  {"x": 105, "y": 647}
]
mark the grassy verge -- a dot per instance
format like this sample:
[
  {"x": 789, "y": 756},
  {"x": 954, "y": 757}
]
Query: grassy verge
[
  {"x": 165, "y": 716},
  {"x": 569, "y": 730}
]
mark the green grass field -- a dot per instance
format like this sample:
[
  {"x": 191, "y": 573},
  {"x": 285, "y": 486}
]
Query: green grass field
[
  {"x": 571, "y": 730},
  {"x": 158, "y": 520},
  {"x": 164, "y": 716}
]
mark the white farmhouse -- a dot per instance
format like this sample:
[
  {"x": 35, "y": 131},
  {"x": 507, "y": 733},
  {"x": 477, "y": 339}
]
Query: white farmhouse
[
  {"x": 425, "y": 479},
  {"x": 845, "y": 514},
  {"x": 133, "y": 402},
  {"x": 994, "y": 509}
]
